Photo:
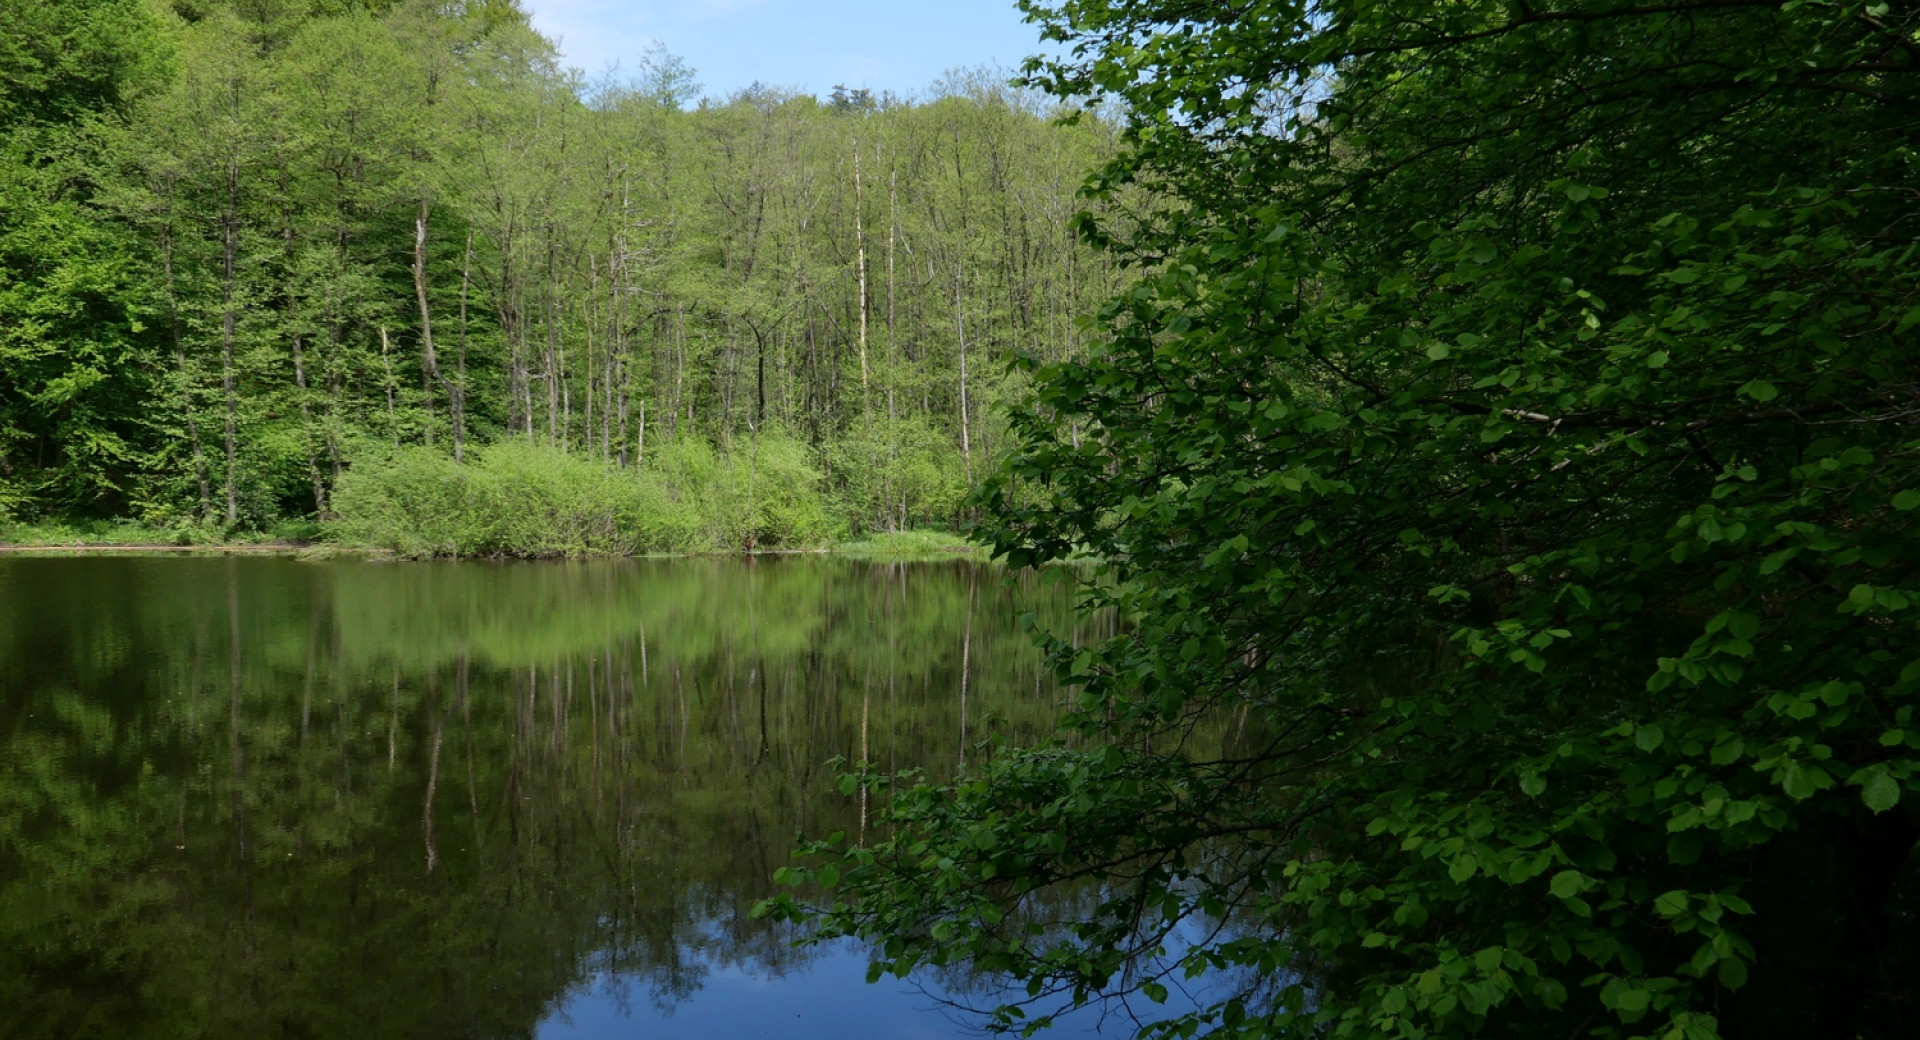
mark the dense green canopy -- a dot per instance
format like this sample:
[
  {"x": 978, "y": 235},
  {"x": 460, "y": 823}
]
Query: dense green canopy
[
  {"x": 247, "y": 248},
  {"x": 1515, "y": 433}
]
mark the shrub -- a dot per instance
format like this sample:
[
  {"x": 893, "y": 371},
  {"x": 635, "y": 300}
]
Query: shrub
[
  {"x": 899, "y": 473},
  {"x": 517, "y": 498},
  {"x": 765, "y": 487}
]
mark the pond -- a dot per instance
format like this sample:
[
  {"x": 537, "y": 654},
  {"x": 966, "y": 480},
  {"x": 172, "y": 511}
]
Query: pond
[{"x": 280, "y": 798}]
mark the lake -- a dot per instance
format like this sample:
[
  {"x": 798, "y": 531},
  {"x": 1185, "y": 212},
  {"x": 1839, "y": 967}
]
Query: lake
[{"x": 264, "y": 797}]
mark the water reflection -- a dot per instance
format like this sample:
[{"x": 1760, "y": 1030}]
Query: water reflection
[{"x": 272, "y": 798}]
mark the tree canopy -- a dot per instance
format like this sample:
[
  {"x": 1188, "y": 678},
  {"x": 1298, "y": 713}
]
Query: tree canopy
[
  {"x": 1513, "y": 434},
  {"x": 247, "y": 247}
]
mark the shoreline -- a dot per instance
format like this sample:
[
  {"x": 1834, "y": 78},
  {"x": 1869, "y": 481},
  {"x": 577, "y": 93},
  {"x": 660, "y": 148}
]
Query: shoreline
[
  {"x": 287, "y": 548},
  {"x": 324, "y": 550}
]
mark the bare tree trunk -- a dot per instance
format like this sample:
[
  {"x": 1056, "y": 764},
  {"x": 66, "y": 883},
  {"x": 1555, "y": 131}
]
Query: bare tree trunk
[
  {"x": 386, "y": 361},
  {"x": 860, "y": 250},
  {"x": 893, "y": 233},
  {"x": 893, "y": 424},
  {"x": 455, "y": 404},
  {"x": 621, "y": 367},
  {"x": 229, "y": 248},
  {"x": 960, "y": 326}
]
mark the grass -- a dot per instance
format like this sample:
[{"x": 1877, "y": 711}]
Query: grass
[
  {"x": 889, "y": 545},
  {"x": 912, "y": 544},
  {"x": 54, "y": 534}
]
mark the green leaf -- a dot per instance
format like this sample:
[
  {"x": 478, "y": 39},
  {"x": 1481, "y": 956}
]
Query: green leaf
[
  {"x": 1801, "y": 780},
  {"x": 1742, "y": 625},
  {"x": 1878, "y": 790},
  {"x": 1727, "y": 751}
]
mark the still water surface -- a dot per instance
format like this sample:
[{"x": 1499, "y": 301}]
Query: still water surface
[{"x": 275, "y": 798}]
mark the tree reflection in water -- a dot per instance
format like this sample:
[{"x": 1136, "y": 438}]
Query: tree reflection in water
[{"x": 251, "y": 798}]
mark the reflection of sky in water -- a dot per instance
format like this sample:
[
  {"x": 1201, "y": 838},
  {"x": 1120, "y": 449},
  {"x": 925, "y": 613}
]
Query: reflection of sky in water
[{"x": 826, "y": 996}]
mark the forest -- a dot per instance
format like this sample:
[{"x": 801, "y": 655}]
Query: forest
[
  {"x": 389, "y": 268},
  {"x": 1486, "y": 432}
]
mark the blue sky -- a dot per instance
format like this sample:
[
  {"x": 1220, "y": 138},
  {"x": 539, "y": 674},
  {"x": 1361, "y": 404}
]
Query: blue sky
[{"x": 809, "y": 45}]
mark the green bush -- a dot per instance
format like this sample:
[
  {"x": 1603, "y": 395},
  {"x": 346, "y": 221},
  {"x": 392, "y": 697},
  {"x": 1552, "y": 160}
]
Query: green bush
[
  {"x": 780, "y": 494},
  {"x": 414, "y": 502},
  {"x": 516, "y": 498},
  {"x": 764, "y": 488},
  {"x": 898, "y": 474}
]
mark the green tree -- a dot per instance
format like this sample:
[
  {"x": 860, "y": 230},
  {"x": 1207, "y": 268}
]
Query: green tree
[
  {"x": 76, "y": 309},
  {"x": 1514, "y": 429}
]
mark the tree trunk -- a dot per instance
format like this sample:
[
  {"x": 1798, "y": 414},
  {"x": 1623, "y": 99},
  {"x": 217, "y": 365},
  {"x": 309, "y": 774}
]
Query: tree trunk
[
  {"x": 860, "y": 251},
  {"x": 960, "y": 326},
  {"x": 455, "y": 403},
  {"x": 553, "y": 349},
  {"x": 229, "y": 248},
  {"x": 386, "y": 363}
]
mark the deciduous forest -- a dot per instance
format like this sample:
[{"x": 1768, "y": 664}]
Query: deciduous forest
[
  {"x": 1487, "y": 431},
  {"x": 388, "y": 264}
]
